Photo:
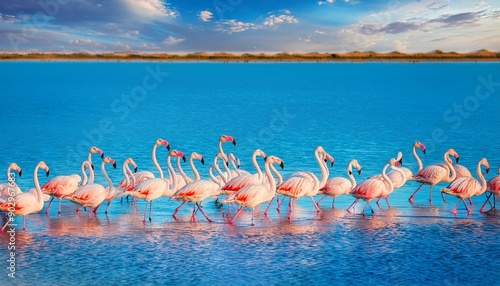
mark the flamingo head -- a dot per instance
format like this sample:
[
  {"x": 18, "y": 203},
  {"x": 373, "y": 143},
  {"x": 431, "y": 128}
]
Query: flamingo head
[
  {"x": 275, "y": 160},
  {"x": 356, "y": 165},
  {"x": 418, "y": 144},
  {"x": 399, "y": 158},
  {"x": 454, "y": 154},
  {"x": 328, "y": 157},
  {"x": 94, "y": 150},
  {"x": 199, "y": 157},
  {"x": 17, "y": 168},
  {"x": 320, "y": 150},
  {"x": 221, "y": 156},
  {"x": 394, "y": 162},
  {"x": 131, "y": 162},
  {"x": 108, "y": 160},
  {"x": 485, "y": 163},
  {"x": 175, "y": 153},
  {"x": 160, "y": 141},
  {"x": 227, "y": 138},
  {"x": 44, "y": 166}
]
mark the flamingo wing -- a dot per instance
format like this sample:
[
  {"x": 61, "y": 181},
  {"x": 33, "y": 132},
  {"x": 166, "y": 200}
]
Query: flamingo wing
[
  {"x": 251, "y": 196},
  {"x": 462, "y": 187},
  {"x": 296, "y": 185},
  {"x": 371, "y": 188},
  {"x": 196, "y": 191},
  {"x": 337, "y": 186}
]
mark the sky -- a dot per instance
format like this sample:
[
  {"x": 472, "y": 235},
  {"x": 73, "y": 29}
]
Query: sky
[{"x": 183, "y": 26}]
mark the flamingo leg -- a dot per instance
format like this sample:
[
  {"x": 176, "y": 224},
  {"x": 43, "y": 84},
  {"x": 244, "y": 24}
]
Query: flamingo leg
[
  {"x": 5, "y": 225},
  {"x": 333, "y": 203},
  {"x": 177, "y": 209},
  {"x": 90, "y": 213},
  {"x": 252, "y": 217},
  {"x": 465, "y": 205},
  {"x": 48, "y": 206},
  {"x": 319, "y": 201},
  {"x": 279, "y": 203},
  {"x": 487, "y": 200},
  {"x": 203, "y": 212},
  {"x": 348, "y": 209},
  {"x": 454, "y": 210},
  {"x": 150, "y": 209},
  {"x": 290, "y": 203},
  {"x": 24, "y": 222},
  {"x": 315, "y": 205},
  {"x": 470, "y": 201},
  {"x": 145, "y": 210},
  {"x": 235, "y": 215},
  {"x": 363, "y": 211},
  {"x": 430, "y": 195},
  {"x": 59, "y": 209},
  {"x": 442, "y": 196},
  {"x": 410, "y": 199},
  {"x": 387, "y": 200},
  {"x": 107, "y": 207},
  {"x": 270, "y": 203},
  {"x": 378, "y": 201},
  {"x": 193, "y": 214}
]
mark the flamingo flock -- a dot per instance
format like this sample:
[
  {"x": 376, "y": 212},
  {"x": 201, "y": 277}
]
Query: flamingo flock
[{"x": 241, "y": 188}]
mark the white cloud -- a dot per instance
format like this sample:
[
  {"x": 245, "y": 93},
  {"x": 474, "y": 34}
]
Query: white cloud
[
  {"x": 481, "y": 4},
  {"x": 233, "y": 26},
  {"x": 205, "y": 16},
  {"x": 150, "y": 8},
  {"x": 399, "y": 46},
  {"x": 84, "y": 43},
  {"x": 325, "y": 2},
  {"x": 277, "y": 20},
  {"x": 170, "y": 41}
]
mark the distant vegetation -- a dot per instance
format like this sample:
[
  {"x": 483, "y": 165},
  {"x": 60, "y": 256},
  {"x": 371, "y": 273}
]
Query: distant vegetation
[{"x": 437, "y": 55}]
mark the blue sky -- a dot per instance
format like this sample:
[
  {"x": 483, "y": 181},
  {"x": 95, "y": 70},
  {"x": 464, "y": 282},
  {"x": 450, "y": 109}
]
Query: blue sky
[{"x": 248, "y": 26}]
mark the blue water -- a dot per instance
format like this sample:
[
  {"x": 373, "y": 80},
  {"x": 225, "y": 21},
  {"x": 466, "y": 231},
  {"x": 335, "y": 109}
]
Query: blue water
[{"x": 54, "y": 111}]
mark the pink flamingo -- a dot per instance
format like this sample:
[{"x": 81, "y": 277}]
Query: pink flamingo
[
  {"x": 337, "y": 186},
  {"x": 244, "y": 180},
  {"x": 436, "y": 173},
  {"x": 395, "y": 175},
  {"x": 61, "y": 186},
  {"x": 145, "y": 175},
  {"x": 493, "y": 187},
  {"x": 398, "y": 177},
  {"x": 154, "y": 188},
  {"x": 113, "y": 192},
  {"x": 253, "y": 195},
  {"x": 466, "y": 187},
  {"x": 10, "y": 188},
  {"x": 196, "y": 174},
  {"x": 297, "y": 184},
  {"x": 92, "y": 195},
  {"x": 372, "y": 188},
  {"x": 199, "y": 190},
  {"x": 314, "y": 191},
  {"x": 26, "y": 203}
]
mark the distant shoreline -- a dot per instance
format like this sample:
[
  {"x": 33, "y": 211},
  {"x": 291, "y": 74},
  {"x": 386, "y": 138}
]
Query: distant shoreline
[{"x": 356, "y": 56}]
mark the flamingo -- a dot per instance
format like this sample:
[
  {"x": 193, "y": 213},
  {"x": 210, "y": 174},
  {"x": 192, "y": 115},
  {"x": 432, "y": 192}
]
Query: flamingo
[
  {"x": 145, "y": 175},
  {"x": 436, "y": 173},
  {"x": 394, "y": 175},
  {"x": 61, "y": 186},
  {"x": 398, "y": 177},
  {"x": 299, "y": 183},
  {"x": 337, "y": 186},
  {"x": 10, "y": 188},
  {"x": 116, "y": 192},
  {"x": 466, "y": 187},
  {"x": 253, "y": 195},
  {"x": 372, "y": 188},
  {"x": 199, "y": 190},
  {"x": 196, "y": 174},
  {"x": 26, "y": 203},
  {"x": 154, "y": 188},
  {"x": 493, "y": 187},
  {"x": 92, "y": 195},
  {"x": 247, "y": 179}
]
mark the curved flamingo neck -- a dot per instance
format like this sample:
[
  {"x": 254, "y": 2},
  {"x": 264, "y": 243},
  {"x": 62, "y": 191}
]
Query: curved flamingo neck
[
  {"x": 103, "y": 170},
  {"x": 417, "y": 158},
  {"x": 220, "y": 148},
  {"x": 84, "y": 174},
  {"x": 153, "y": 157},
  {"x": 272, "y": 183},
  {"x": 172, "y": 174},
  {"x": 277, "y": 174},
  {"x": 91, "y": 174},
  {"x": 213, "y": 178},
  {"x": 349, "y": 174},
  {"x": 193, "y": 168},
  {"x": 389, "y": 182},
  {"x": 179, "y": 168},
  {"x": 481, "y": 178},
  {"x": 229, "y": 175},
  {"x": 447, "y": 161},
  {"x": 131, "y": 176},
  {"x": 233, "y": 164},
  {"x": 323, "y": 169},
  {"x": 402, "y": 175},
  {"x": 256, "y": 166},
  {"x": 125, "y": 174},
  {"x": 37, "y": 186},
  {"x": 8, "y": 172},
  {"x": 89, "y": 157}
]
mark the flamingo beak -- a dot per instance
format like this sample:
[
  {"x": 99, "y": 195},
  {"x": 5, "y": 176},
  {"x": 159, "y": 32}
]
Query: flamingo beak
[
  {"x": 20, "y": 173},
  {"x": 135, "y": 169},
  {"x": 234, "y": 142},
  {"x": 400, "y": 161},
  {"x": 92, "y": 165},
  {"x": 487, "y": 170},
  {"x": 359, "y": 172},
  {"x": 332, "y": 163},
  {"x": 227, "y": 164},
  {"x": 183, "y": 158},
  {"x": 424, "y": 150},
  {"x": 265, "y": 158},
  {"x": 168, "y": 147},
  {"x": 456, "y": 158},
  {"x": 114, "y": 165},
  {"x": 350, "y": 172},
  {"x": 47, "y": 172},
  {"x": 282, "y": 165},
  {"x": 202, "y": 161}
]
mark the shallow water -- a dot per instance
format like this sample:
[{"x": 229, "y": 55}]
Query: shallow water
[{"x": 367, "y": 111}]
